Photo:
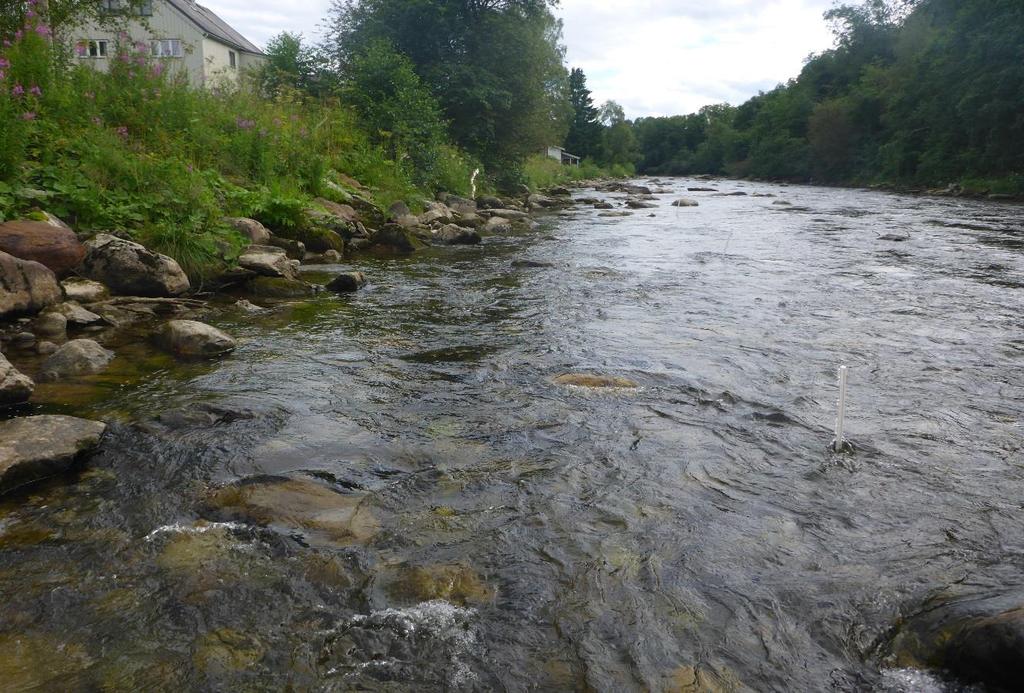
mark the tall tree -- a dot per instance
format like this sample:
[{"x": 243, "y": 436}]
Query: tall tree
[
  {"x": 584, "y": 138},
  {"x": 495, "y": 66}
]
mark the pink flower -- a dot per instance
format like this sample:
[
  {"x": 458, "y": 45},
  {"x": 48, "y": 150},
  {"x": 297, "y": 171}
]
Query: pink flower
[
  {"x": 4, "y": 62},
  {"x": 35, "y": 91},
  {"x": 28, "y": 115},
  {"x": 18, "y": 90},
  {"x": 158, "y": 69},
  {"x": 122, "y": 132},
  {"x": 43, "y": 30}
]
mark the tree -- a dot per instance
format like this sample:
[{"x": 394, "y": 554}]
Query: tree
[
  {"x": 584, "y": 138},
  {"x": 495, "y": 66},
  {"x": 395, "y": 107},
  {"x": 292, "y": 63}
]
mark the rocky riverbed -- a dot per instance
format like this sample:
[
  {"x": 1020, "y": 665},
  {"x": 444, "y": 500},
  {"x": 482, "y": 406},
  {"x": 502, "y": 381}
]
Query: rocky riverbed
[{"x": 567, "y": 441}]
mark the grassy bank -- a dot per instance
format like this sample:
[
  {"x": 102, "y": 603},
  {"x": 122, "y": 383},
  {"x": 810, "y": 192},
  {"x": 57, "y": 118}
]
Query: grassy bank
[
  {"x": 141, "y": 153},
  {"x": 540, "y": 172}
]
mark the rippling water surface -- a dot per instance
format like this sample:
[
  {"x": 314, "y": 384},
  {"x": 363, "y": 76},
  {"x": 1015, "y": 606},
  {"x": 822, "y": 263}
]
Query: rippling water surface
[{"x": 517, "y": 535}]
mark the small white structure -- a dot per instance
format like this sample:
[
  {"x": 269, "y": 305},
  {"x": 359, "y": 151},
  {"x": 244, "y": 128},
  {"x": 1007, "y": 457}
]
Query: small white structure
[
  {"x": 560, "y": 155},
  {"x": 181, "y": 33}
]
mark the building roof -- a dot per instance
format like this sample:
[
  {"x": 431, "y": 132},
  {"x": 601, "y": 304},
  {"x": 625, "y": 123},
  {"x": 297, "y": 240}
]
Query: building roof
[{"x": 213, "y": 26}]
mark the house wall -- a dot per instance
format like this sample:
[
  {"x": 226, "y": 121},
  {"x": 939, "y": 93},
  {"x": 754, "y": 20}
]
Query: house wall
[{"x": 205, "y": 60}]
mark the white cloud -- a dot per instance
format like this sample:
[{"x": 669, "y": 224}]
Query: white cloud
[{"x": 655, "y": 57}]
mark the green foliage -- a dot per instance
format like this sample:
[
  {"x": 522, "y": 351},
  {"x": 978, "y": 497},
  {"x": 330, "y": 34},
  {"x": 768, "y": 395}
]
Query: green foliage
[
  {"x": 922, "y": 92},
  {"x": 495, "y": 68},
  {"x": 540, "y": 171},
  {"x": 584, "y": 137}
]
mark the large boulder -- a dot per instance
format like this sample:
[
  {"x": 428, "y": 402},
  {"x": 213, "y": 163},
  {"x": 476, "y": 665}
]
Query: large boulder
[
  {"x": 256, "y": 232},
  {"x": 685, "y": 202},
  {"x": 54, "y": 247},
  {"x": 268, "y": 261},
  {"x": 489, "y": 202},
  {"x": 15, "y": 388},
  {"x": 38, "y": 447},
  {"x": 84, "y": 290},
  {"x": 450, "y": 234},
  {"x": 460, "y": 205},
  {"x": 498, "y": 225},
  {"x": 392, "y": 238},
  {"x": 51, "y": 324},
  {"x": 26, "y": 286},
  {"x": 194, "y": 339},
  {"x": 296, "y": 250},
  {"x": 131, "y": 270},
  {"x": 347, "y": 282},
  {"x": 77, "y": 357},
  {"x": 344, "y": 212}
]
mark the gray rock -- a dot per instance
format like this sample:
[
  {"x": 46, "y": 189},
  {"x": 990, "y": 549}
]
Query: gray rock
[
  {"x": 194, "y": 339},
  {"x": 84, "y": 290},
  {"x": 15, "y": 388},
  {"x": 267, "y": 261},
  {"x": 25, "y": 286},
  {"x": 50, "y": 324},
  {"x": 640, "y": 204},
  {"x": 450, "y": 234},
  {"x": 394, "y": 238},
  {"x": 280, "y": 288},
  {"x": 347, "y": 282},
  {"x": 131, "y": 270},
  {"x": 330, "y": 257},
  {"x": 603, "y": 205},
  {"x": 461, "y": 205},
  {"x": 296, "y": 250},
  {"x": 498, "y": 225},
  {"x": 489, "y": 202},
  {"x": 77, "y": 357},
  {"x": 439, "y": 213},
  {"x": 685, "y": 202},
  {"x": 256, "y": 232},
  {"x": 399, "y": 210},
  {"x": 35, "y": 448},
  {"x": 77, "y": 316},
  {"x": 540, "y": 201},
  {"x": 46, "y": 348}
]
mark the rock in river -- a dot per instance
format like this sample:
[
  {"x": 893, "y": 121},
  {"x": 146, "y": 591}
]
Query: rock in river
[
  {"x": 195, "y": 339},
  {"x": 131, "y": 270},
  {"x": 84, "y": 290},
  {"x": 347, "y": 282},
  {"x": 591, "y": 380},
  {"x": 280, "y": 288},
  {"x": 15, "y": 388},
  {"x": 77, "y": 357},
  {"x": 297, "y": 504},
  {"x": 36, "y": 447},
  {"x": 55, "y": 247},
  {"x": 450, "y": 234},
  {"x": 267, "y": 261},
  {"x": 26, "y": 286},
  {"x": 685, "y": 202}
]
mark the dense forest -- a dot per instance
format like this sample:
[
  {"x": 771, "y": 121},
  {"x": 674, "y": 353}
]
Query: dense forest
[{"x": 915, "y": 92}]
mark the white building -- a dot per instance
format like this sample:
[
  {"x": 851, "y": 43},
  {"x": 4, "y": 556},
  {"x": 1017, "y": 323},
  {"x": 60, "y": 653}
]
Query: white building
[
  {"x": 183, "y": 34},
  {"x": 560, "y": 155}
]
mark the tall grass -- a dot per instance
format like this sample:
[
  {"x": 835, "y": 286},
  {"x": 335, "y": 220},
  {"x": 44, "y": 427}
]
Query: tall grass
[
  {"x": 138, "y": 151},
  {"x": 541, "y": 171}
]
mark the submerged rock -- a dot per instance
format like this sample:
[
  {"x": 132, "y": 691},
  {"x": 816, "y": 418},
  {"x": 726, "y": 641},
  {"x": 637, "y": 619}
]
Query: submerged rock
[
  {"x": 26, "y": 286},
  {"x": 194, "y": 339},
  {"x": 55, "y": 247},
  {"x": 529, "y": 264},
  {"x": 129, "y": 269},
  {"x": 455, "y": 584},
  {"x": 50, "y": 324},
  {"x": 392, "y": 238},
  {"x": 297, "y": 504},
  {"x": 15, "y": 388},
  {"x": 603, "y": 205},
  {"x": 77, "y": 357},
  {"x": 77, "y": 316},
  {"x": 330, "y": 257},
  {"x": 591, "y": 380},
  {"x": 347, "y": 282},
  {"x": 84, "y": 290},
  {"x": 37, "y": 447}
]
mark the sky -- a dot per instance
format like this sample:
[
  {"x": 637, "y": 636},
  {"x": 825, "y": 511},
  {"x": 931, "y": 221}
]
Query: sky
[{"x": 654, "y": 57}]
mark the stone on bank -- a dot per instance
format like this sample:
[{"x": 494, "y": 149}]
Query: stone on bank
[
  {"x": 194, "y": 339},
  {"x": 15, "y": 388},
  {"x": 129, "y": 269},
  {"x": 37, "y": 447},
  {"x": 26, "y": 287}
]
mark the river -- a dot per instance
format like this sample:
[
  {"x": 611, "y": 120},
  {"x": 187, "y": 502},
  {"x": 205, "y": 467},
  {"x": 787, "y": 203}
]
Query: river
[{"x": 513, "y": 534}]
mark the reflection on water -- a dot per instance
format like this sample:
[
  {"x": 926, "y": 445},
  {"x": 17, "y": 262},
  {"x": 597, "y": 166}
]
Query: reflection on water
[{"x": 693, "y": 533}]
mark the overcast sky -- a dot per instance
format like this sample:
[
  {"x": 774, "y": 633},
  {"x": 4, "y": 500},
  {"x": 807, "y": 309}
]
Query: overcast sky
[{"x": 655, "y": 57}]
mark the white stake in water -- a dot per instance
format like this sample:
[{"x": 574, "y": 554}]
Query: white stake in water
[
  {"x": 840, "y": 444},
  {"x": 472, "y": 181}
]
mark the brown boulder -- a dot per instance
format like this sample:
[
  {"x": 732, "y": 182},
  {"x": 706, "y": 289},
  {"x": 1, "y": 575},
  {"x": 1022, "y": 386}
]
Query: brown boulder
[
  {"x": 26, "y": 286},
  {"x": 51, "y": 246}
]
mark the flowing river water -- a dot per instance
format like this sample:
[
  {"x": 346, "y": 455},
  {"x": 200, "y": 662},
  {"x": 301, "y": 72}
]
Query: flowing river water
[{"x": 502, "y": 532}]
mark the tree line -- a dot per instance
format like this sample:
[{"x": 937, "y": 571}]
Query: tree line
[{"x": 915, "y": 92}]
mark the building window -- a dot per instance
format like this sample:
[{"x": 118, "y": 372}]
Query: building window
[
  {"x": 92, "y": 49},
  {"x": 143, "y": 8},
  {"x": 167, "y": 48},
  {"x": 232, "y": 59}
]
